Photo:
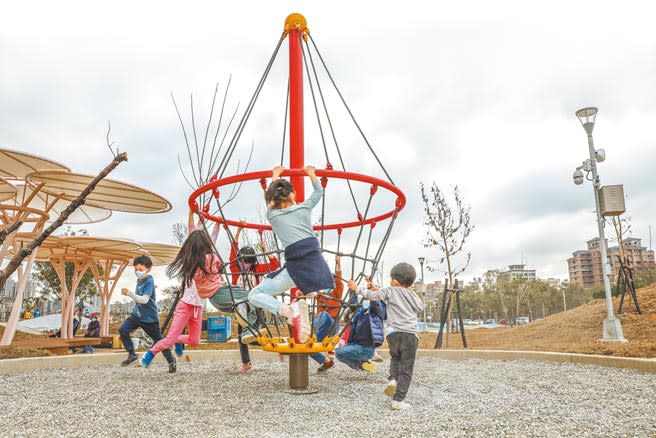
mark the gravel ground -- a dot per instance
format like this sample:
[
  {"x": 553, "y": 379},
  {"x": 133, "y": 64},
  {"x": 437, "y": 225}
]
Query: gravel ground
[{"x": 455, "y": 398}]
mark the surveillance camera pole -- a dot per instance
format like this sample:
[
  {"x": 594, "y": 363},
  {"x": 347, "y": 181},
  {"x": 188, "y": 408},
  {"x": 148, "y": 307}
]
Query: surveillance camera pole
[{"x": 612, "y": 327}]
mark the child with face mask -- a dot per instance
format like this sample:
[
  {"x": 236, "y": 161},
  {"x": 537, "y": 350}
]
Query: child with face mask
[{"x": 144, "y": 314}]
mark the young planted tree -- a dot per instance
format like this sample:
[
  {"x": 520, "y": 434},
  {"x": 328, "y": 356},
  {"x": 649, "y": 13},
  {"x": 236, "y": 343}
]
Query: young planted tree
[{"x": 447, "y": 228}]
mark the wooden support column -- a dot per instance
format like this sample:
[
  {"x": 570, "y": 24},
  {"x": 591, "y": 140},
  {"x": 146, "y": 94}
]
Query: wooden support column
[
  {"x": 68, "y": 296},
  {"x": 23, "y": 275},
  {"x": 106, "y": 284}
]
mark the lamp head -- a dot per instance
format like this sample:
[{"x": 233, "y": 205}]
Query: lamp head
[
  {"x": 578, "y": 177},
  {"x": 587, "y": 118},
  {"x": 600, "y": 155},
  {"x": 422, "y": 260}
]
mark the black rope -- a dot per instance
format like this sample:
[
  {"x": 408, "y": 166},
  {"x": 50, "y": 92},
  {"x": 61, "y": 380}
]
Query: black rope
[
  {"x": 242, "y": 124},
  {"x": 314, "y": 101},
  {"x": 330, "y": 125},
  {"x": 349, "y": 110},
  {"x": 284, "y": 126},
  {"x": 362, "y": 220}
]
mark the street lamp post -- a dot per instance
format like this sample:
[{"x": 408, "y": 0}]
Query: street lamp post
[{"x": 612, "y": 327}]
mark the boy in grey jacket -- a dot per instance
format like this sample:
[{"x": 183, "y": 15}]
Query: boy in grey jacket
[{"x": 401, "y": 326}]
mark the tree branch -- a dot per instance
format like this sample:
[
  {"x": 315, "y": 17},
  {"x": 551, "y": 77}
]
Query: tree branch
[
  {"x": 16, "y": 261},
  {"x": 10, "y": 229}
]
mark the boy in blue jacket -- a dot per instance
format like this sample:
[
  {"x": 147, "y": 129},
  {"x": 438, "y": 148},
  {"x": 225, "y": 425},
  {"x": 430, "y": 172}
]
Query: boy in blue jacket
[
  {"x": 144, "y": 314},
  {"x": 367, "y": 333}
]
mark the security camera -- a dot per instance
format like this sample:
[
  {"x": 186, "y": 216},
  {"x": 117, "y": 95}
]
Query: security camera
[
  {"x": 578, "y": 177},
  {"x": 600, "y": 155}
]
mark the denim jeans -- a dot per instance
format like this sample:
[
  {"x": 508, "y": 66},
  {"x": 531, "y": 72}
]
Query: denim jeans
[
  {"x": 263, "y": 294},
  {"x": 322, "y": 325},
  {"x": 223, "y": 301},
  {"x": 354, "y": 354}
]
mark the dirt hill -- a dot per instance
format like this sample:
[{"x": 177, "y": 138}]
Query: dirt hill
[{"x": 575, "y": 331}]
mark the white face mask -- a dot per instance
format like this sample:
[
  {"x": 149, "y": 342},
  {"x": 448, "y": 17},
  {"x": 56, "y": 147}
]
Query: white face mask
[{"x": 140, "y": 274}]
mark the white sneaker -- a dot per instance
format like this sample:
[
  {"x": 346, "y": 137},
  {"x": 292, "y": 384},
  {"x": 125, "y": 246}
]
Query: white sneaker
[
  {"x": 390, "y": 388},
  {"x": 306, "y": 328},
  {"x": 400, "y": 405}
]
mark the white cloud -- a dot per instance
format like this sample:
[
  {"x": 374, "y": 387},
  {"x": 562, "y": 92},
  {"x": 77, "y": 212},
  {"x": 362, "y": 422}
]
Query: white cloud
[{"x": 481, "y": 95}]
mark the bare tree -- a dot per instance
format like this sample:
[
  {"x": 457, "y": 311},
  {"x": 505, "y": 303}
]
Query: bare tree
[
  {"x": 447, "y": 228},
  {"x": 179, "y": 232},
  {"x": 622, "y": 226}
]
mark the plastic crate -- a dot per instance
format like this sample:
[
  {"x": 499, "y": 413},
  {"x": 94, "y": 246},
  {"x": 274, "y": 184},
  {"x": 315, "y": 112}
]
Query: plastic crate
[{"x": 218, "y": 329}]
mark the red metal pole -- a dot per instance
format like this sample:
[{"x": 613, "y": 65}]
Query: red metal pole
[{"x": 296, "y": 145}]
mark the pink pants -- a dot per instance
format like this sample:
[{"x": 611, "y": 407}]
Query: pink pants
[{"x": 185, "y": 315}]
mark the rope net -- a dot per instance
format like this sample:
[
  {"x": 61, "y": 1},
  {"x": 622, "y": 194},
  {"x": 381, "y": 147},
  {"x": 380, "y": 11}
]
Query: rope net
[{"x": 353, "y": 221}]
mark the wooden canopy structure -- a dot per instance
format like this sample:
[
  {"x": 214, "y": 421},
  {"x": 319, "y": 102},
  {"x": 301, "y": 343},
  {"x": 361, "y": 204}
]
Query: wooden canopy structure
[{"x": 34, "y": 191}]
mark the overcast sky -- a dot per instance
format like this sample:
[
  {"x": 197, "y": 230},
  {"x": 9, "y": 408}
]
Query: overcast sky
[{"x": 478, "y": 94}]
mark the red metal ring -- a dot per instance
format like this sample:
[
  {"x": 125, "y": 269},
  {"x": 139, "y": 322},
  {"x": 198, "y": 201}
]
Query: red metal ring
[{"x": 214, "y": 185}]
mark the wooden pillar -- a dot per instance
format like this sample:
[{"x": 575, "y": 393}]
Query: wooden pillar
[
  {"x": 23, "y": 275},
  {"x": 68, "y": 296},
  {"x": 106, "y": 284}
]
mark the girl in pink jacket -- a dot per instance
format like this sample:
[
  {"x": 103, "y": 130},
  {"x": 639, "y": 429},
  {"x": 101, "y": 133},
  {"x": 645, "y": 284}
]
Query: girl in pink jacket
[{"x": 200, "y": 269}]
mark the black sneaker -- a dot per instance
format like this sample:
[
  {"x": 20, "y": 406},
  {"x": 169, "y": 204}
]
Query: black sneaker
[
  {"x": 131, "y": 358},
  {"x": 172, "y": 366},
  {"x": 325, "y": 366}
]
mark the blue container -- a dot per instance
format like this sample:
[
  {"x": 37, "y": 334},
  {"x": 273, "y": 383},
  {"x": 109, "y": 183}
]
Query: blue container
[{"x": 218, "y": 328}]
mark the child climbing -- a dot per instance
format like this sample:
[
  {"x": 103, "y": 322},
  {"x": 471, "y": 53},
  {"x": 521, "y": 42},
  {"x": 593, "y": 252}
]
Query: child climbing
[
  {"x": 366, "y": 333},
  {"x": 328, "y": 306},
  {"x": 189, "y": 311},
  {"x": 402, "y": 307},
  {"x": 246, "y": 273},
  {"x": 304, "y": 266}
]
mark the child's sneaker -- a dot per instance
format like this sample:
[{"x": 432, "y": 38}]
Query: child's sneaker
[
  {"x": 377, "y": 358},
  {"x": 172, "y": 366},
  {"x": 131, "y": 358},
  {"x": 390, "y": 389},
  {"x": 368, "y": 367},
  {"x": 146, "y": 359},
  {"x": 326, "y": 365},
  {"x": 306, "y": 328},
  {"x": 400, "y": 405},
  {"x": 295, "y": 321},
  {"x": 179, "y": 349}
]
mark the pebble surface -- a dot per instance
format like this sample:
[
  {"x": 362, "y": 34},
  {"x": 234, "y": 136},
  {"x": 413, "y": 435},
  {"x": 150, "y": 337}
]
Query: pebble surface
[{"x": 454, "y": 398}]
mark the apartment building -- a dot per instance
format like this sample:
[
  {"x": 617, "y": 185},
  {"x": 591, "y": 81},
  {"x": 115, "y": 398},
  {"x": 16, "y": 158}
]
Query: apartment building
[{"x": 585, "y": 265}]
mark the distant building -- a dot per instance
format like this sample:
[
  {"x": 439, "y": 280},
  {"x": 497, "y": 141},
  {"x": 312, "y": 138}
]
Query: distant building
[
  {"x": 585, "y": 265},
  {"x": 428, "y": 292},
  {"x": 517, "y": 272},
  {"x": 11, "y": 287}
]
